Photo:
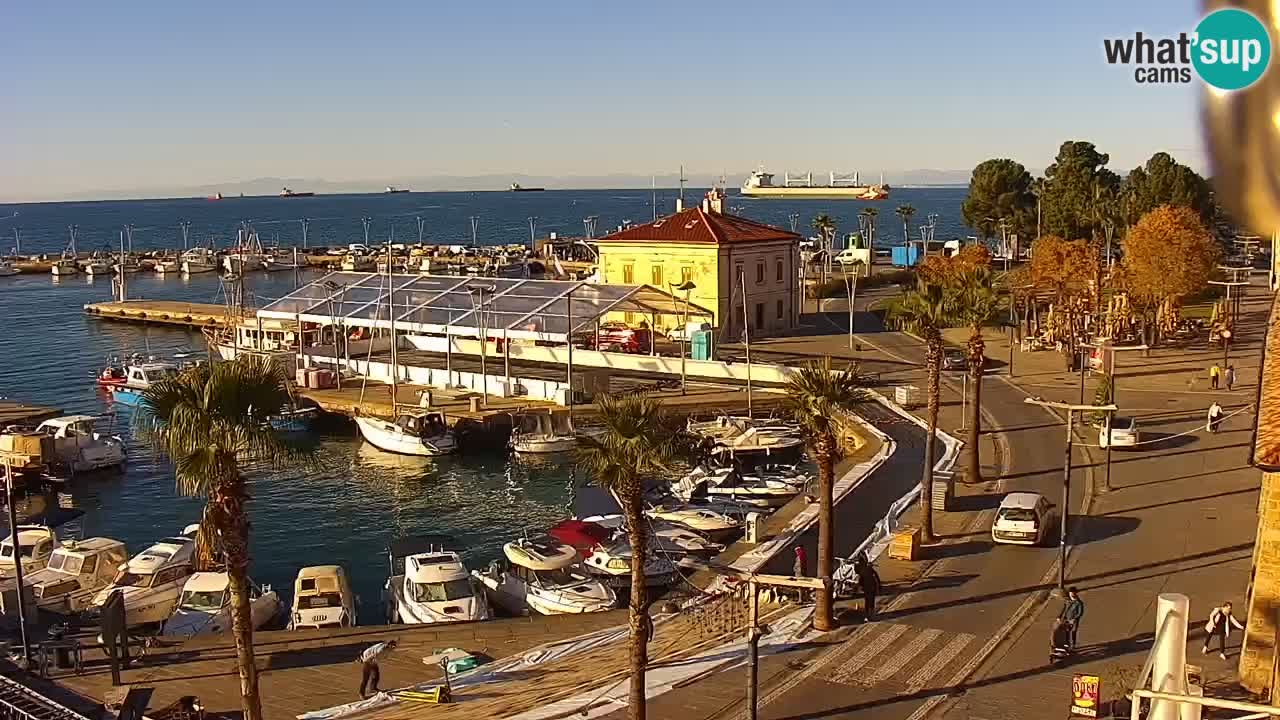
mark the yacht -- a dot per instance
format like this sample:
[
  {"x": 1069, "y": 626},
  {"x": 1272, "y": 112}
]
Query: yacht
[
  {"x": 429, "y": 584},
  {"x": 167, "y": 266},
  {"x": 152, "y": 580},
  {"x": 417, "y": 433},
  {"x": 322, "y": 598},
  {"x": 38, "y": 543},
  {"x": 730, "y": 484},
  {"x": 99, "y": 266},
  {"x": 79, "y": 446},
  {"x": 544, "y": 432},
  {"x": 545, "y": 577},
  {"x": 675, "y": 541},
  {"x": 714, "y": 525},
  {"x": 77, "y": 570},
  {"x": 199, "y": 260},
  {"x": 205, "y": 606},
  {"x": 65, "y": 266},
  {"x": 612, "y": 564},
  {"x": 7, "y": 268},
  {"x": 140, "y": 377}
]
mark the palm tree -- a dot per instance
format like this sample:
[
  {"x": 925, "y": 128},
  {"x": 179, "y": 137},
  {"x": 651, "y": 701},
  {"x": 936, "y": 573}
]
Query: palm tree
[
  {"x": 905, "y": 211},
  {"x": 926, "y": 310},
  {"x": 636, "y": 442},
  {"x": 208, "y": 421},
  {"x": 870, "y": 214},
  {"x": 824, "y": 225},
  {"x": 977, "y": 304},
  {"x": 817, "y": 398}
]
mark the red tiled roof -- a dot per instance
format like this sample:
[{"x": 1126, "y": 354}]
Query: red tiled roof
[{"x": 695, "y": 225}]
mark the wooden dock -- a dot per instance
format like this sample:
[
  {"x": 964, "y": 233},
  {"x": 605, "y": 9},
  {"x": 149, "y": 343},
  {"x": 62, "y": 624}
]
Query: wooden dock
[
  {"x": 161, "y": 312},
  {"x": 13, "y": 412}
]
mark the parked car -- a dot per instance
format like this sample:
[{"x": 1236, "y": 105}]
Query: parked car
[
  {"x": 676, "y": 334},
  {"x": 617, "y": 337},
  {"x": 954, "y": 359},
  {"x": 850, "y": 256},
  {"x": 1124, "y": 433},
  {"x": 1024, "y": 518}
]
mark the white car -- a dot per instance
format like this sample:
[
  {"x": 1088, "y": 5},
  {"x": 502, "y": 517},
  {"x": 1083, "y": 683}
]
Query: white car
[
  {"x": 1024, "y": 518},
  {"x": 1124, "y": 433}
]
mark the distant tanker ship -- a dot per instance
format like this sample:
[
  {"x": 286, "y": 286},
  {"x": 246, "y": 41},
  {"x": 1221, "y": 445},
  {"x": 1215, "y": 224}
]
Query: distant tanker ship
[{"x": 760, "y": 185}]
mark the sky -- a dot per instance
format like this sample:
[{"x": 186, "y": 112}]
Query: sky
[{"x": 101, "y": 96}]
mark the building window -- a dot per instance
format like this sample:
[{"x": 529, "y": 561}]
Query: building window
[
  {"x": 628, "y": 274},
  {"x": 780, "y": 270},
  {"x": 779, "y": 309},
  {"x": 656, "y": 272},
  {"x": 759, "y": 273},
  {"x": 686, "y": 274},
  {"x": 759, "y": 314}
]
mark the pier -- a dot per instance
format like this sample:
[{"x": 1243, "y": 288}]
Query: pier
[
  {"x": 161, "y": 312},
  {"x": 13, "y": 412}
]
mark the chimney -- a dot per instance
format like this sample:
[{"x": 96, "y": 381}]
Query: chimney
[
  {"x": 714, "y": 202},
  {"x": 679, "y": 204}
]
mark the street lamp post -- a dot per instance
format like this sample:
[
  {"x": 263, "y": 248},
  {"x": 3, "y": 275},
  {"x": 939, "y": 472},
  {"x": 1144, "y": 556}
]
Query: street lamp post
[
  {"x": 1065, "y": 511},
  {"x": 851, "y": 287},
  {"x": 477, "y": 304},
  {"x": 686, "y": 286}
]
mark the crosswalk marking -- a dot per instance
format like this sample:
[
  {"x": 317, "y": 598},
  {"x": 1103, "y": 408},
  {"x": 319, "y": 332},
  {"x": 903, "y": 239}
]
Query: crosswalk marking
[
  {"x": 898, "y": 660},
  {"x": 874, "y": 647},
  {"x": 940, "y": 660}
]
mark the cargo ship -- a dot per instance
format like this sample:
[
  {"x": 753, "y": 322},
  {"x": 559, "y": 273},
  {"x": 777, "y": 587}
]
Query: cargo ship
[
  {"x": 760, "y": 185},
  {"x": 517, "y": 187},
  {"x": 393, "y": 190},
  {"x": 286, "y": 192}
]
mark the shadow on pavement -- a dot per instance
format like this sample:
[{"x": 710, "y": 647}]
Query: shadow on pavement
[
  {"x": 1197, "y": 498},
  {"x": 972, "y": 503},
  {"x": 1092, "y": 528},
  {"x": 1165, "y": 441}
]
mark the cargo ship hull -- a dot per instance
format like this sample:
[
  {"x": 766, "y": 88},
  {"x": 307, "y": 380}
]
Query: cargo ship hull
[{"x": 845, "y": 193}]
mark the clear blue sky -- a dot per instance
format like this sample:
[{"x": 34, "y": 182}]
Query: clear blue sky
[{"x": 103, "y": 95}]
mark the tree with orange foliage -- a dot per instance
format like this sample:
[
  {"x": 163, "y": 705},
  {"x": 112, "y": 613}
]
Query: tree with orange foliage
[{"x": 1168, "y": 255}]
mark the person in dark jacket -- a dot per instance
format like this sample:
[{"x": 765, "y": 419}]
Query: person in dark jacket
[
  {"x": 1072, "y": 613},
  {"x": 869, "y": 581}
]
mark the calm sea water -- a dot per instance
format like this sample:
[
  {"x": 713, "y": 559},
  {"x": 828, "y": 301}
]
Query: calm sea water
[{"x": 359, "y": 499}]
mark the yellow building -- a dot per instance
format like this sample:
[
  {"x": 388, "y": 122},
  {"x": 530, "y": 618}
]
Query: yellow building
[{"x": 739, "y": 266}]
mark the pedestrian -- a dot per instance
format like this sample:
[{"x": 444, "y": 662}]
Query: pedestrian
[
  {"x": 798, "y": 570},
  {"x": 1229, "y": 376},
  {"x": 869, "y": 581},
  {"x": 1215, "y": 417},
  {"x": 1219, "y": 625},
  {"x": 1072, "y": 613},
  {"x": 1215, "y": 374},
  {"x": 368, "y": 659}
]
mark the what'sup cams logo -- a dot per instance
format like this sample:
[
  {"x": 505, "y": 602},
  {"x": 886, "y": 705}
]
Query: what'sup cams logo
[{"x": 1230, "y": 50}]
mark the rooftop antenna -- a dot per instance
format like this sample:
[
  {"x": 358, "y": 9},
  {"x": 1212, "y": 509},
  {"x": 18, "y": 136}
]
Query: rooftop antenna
[{"x": 682, "y": 179}]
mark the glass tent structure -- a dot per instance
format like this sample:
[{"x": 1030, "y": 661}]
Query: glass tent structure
[{"x": 511, "y": 308}]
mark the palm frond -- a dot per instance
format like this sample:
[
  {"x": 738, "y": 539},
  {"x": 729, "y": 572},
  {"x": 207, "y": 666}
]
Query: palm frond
[
  {"x": 817, "y": 398},
  {"x": 637, "y": 441}
]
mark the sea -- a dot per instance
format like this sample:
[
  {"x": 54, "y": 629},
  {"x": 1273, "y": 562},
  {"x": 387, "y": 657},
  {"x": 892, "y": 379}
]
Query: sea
[{"x": 348, "y": 508}]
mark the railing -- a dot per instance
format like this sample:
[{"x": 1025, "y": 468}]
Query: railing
[{"x": 19, "y": 702}]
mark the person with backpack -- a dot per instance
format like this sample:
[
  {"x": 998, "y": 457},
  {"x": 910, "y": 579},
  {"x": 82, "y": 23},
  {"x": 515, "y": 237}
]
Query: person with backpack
[{"x": 1219, "y": 626}]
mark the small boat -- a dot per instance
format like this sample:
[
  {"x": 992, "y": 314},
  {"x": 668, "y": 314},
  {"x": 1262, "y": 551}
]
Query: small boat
[
  {"x": 98, "y": 266},
  {"x": 353, "y": 262},
  {"x": 545, "y": 577},
  {"x": 166, "y": 266},
  {"x": 199, "y": 260},
  {"x": 65, "y": 267},
  {"x": 152, "y": 580},
  {"x": 322, "y": 598},
  {"x": 295, "y": 419},
  {"x": 38, "y": 543},
  {"x": 429, "y": 584},
  {"x": 79, "y": 446},
  {"x": 675, "y": 541},
  {"x": 612, "y": 564},
  {"x": 415, "y": 433},
  {"x": 715, "y": 525},
  {"x": 544, "y": 432},
  {"x": 204, "y": 607},
  {"x": 111, "y": 374},
  {"x": 7, "y": 268},
  {"x": 140, "y": 377},
  {"x": 772, "y": 443},
  {"x": 129, "y": 267},
  {"x": 77, "y": 570},
  {"x": 730, "y": 484}
]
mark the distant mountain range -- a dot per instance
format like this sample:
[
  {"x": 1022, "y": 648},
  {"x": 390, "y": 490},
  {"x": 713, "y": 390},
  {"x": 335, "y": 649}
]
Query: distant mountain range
[{"x": 471, "y": 183}]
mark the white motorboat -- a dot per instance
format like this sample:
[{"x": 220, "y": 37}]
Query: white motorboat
[
  {"x": 152, "y": 580},
  {"x": 322, "y": 598},
  {"x": 77, "y": 570},
  {"x": 612, "y": 564},
  {"x": 199, "y": 260},
  {"x": 99, "y": 266},
  {"x": 167, "y": 266},
  {"x": 715, "y": 525},
  {"x": 79, "y": 446},
  {"x": 666, "y": 538},
  {"x": 720, "y": 427},
  {"x": 413, "y": 433},
  {"x": 545, "y": 577},
  {"x": 138, "y": 377},
  {"x": 7, "y": 268},
  {"x": 205, "y": 606},
  {"x": 65, "y": 266},
  {"x": 544, "y": 432},
  {"x": 38, "y": 543},
  {"x": 772, "y": 442},
  {"x": 729, "y": 484},
  {"x": 432, "y": 586}
]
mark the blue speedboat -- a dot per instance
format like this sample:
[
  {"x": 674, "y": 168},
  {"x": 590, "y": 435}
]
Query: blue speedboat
[{"x": 140, "y": 377}]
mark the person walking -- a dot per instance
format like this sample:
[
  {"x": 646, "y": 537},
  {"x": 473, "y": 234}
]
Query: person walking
[
  {"x": 869, "y": 581},
  {"x": 1219, "y": 626},
  {"x": 1215, "y": 375},
  {"x": 1072, "y": 613},
  {"x": 1229, "y": 376},
  {"x": 368, "y": 659},
  {"x": 798, "y": 570},
  {"x": 1215, "y": 417}
]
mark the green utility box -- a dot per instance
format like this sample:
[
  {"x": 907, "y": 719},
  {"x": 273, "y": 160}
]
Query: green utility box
[{"x": 701, "y": 347}]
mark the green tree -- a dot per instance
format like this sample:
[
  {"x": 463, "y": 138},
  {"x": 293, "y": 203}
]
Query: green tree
[
  {"x": 636, "y": 442},
  {"x": 905, "y": 212},
  {"x": 208, "y": 421},
  {"x": 1165, "y": 181},
  {"x": 1000, "y": 189},
  {"x": 927, "y": 310},
  {"x": 1075, "y": 183},
  {"x": 978, "y": 306},
  {"x": 818, "y": 399}
]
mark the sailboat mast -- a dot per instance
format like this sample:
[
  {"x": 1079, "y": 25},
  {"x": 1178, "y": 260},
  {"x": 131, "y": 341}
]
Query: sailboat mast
[
  {"x": 746, "y": 336},
  {"x": 391, "y": 315}
]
